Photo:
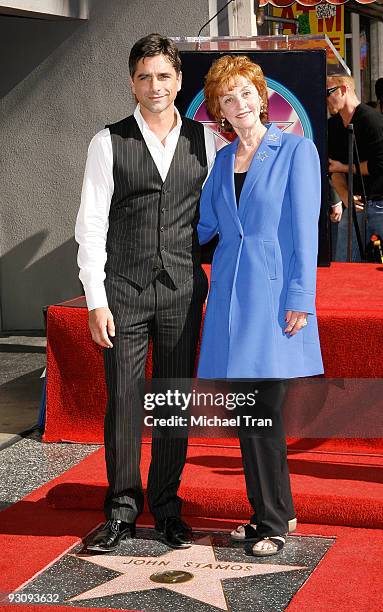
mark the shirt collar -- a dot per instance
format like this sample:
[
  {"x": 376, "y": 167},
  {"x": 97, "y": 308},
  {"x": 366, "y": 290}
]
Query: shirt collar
[{"x": 144, "y": 126}]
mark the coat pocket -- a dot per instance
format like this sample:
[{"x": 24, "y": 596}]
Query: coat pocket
[{"x": 269, "y": 249}]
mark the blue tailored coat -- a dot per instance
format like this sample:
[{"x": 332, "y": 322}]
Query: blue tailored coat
[{"x": 265, "y": 262}]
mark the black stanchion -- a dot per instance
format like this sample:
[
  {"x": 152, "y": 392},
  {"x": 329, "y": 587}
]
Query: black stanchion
[
  {"x": 352, "y": 213},
  {"x": 350, "y": 186},
  {"x": 363, "y": 246}
]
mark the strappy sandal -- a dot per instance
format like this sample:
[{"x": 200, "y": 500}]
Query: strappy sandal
[
  {"x": 248, "y": 532},
  {"x": 277, "y": 541},
  {"x": 245, "y": 533}
]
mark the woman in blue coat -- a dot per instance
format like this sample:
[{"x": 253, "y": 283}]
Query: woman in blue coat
[{"x": 262, "y": 198}]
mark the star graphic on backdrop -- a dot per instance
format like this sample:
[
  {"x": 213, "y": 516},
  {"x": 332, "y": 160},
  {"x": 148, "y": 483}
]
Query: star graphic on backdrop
[
  {"x": 215, "y": 127},
  {"x": 199, "y": 560},
  {"x": 212, "y": 125},
  {"x": 283, "y": 125}
]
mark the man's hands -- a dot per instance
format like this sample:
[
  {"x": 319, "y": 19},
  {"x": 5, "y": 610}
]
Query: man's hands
[
  {"x": 336, "y": 166},
  {"x": 336, "y": 212},
  {"x": 339, "y": 182},
  {"x": 101, "y": 326},
  {"x": 295, "y": 321},
  {"x": 358, "y": 203}
]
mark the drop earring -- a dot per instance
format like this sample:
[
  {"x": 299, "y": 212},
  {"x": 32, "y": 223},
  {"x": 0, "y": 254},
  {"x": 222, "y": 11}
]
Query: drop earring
[{"x": 222, "y": 122}]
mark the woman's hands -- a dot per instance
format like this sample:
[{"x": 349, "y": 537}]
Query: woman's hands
[{"x": 295, "y": 321}]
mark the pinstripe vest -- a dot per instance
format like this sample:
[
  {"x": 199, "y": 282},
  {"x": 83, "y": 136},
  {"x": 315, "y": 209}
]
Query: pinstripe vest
[{"x": 153, "y": 224}]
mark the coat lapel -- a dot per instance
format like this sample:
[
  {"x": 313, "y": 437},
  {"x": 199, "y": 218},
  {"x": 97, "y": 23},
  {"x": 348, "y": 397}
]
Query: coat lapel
[
  {"x": 263, "y": 158},
  {"x": 228, "y": 188}
]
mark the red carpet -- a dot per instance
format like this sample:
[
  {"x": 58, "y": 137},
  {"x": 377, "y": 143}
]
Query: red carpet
[
  {"x": 337, "y": 484},
  {"x": 350, "y": 287},
  {"x": 33, "y": 535},
  {"x": 328, "y": 489},
  {"x": 350, "y": 315}
]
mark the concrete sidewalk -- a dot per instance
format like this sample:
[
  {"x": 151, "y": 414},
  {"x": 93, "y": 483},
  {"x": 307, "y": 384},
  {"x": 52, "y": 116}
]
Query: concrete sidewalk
[{"x": 22, "y": 361}]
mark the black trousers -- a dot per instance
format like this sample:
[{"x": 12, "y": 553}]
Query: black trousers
[
  {"x": 264, "y": 456},
  {"x": 171, "y": 317}
]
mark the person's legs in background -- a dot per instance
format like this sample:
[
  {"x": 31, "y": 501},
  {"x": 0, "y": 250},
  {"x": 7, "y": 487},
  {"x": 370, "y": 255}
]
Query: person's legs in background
[
  {"x": 375, "y": 218},
  {"x": 342, "y": 239},
  {"x": 374, "y": 226}
]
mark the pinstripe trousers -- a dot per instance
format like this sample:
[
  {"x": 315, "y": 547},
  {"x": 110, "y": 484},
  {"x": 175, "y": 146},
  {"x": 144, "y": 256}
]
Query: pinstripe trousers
[{"x": 171, "y": 317}]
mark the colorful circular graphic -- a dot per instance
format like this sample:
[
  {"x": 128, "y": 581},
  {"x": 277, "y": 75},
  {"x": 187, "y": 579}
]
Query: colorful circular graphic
[{"x": 285, "y": 111}]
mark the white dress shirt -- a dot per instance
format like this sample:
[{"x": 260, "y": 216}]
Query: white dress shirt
[{"x": 97, "y": 191}]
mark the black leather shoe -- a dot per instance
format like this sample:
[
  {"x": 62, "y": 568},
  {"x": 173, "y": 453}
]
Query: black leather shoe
[
  {"x": 110, "y": 535},
  {"x": 175, "y": 532}
]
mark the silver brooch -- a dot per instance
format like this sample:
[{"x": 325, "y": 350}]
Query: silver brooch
[
  {"x": 262, "y": 156},
  {"x": 274, "y": 137}
]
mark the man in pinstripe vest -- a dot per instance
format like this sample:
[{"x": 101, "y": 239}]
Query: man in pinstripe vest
[{"x": 139, "y": 260}]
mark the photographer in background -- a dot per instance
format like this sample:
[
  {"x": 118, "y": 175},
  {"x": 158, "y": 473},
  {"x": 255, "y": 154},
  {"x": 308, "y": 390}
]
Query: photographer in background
[{"x": 345, "y": 108}]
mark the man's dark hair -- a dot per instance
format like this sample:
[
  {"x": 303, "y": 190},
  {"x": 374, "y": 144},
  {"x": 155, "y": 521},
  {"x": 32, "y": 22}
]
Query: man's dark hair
[
  {"x": 151, "y": 45},
  {"x": 379, "y": 88},
  {"x": 379, "y": 93}
]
